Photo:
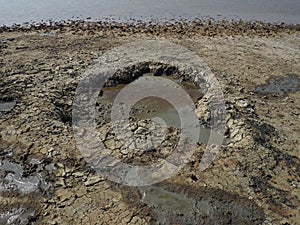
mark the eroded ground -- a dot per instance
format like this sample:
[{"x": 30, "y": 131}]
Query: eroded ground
[{"x": 45, "y": 180}]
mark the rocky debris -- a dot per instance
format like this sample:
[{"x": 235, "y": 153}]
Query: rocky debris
[
  {"x": 202, "y": 111},
  {"x": 50, "y": 34},
  {"x": 93, "y": 180}
]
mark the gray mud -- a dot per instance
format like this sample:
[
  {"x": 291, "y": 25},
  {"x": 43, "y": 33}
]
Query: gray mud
[
  {"x": 15, "y": 179},
  {"x": 7, "y": 106},
  {"x": 280, "y": 85},
  {"x": 24, "y": 180},
  {"x": 16, "y": 216}
]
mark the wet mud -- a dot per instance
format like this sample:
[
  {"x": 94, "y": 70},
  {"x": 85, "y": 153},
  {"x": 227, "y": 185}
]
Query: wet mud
[
  {"x": 280, "y": 85},
  {"x": 181, "y": 204},
  {"x": 23, "y": 180}
]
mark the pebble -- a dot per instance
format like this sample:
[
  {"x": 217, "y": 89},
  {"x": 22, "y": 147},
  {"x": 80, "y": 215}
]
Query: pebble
[{"x": 93, "y": 180}]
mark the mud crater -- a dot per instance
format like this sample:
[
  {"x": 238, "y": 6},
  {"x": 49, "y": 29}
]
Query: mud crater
[{"x": 142, "y": 115}]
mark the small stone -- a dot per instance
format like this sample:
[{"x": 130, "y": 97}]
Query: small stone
[
  {"x": 60, "y": 182},
  {"x": 69, "y": 103},
  {"x": 124, "y": 151},
  {"x": 78, "y": 174},
  {"x": 93, "y": 180},
  {"x": 140, "y": 130}
]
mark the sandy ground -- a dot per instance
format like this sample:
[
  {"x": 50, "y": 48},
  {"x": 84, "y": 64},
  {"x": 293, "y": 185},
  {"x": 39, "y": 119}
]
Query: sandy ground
[{"x": 253, "y": 180}]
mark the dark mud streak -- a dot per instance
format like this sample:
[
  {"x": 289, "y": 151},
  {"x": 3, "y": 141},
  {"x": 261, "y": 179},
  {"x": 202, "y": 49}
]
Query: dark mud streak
[
  {"x": 62, "y": 109},
  {"x": 263, "y": 134},
  {"x": 275, "y": 195}
]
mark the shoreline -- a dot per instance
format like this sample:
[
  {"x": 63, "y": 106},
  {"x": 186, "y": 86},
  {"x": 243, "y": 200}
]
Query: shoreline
[{"x": 209, "y": 27}]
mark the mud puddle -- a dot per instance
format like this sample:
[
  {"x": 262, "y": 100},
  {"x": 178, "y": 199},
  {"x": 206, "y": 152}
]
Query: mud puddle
[
  {"x": 7, "y": 106},
  {"x": 280, "y": 85},
  {"x": 157, "y": 109},
  {"x": 172, "y": 204}
]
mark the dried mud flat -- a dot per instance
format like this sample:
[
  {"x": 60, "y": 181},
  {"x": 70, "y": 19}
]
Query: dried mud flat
[{"x": 254, "y": 179}]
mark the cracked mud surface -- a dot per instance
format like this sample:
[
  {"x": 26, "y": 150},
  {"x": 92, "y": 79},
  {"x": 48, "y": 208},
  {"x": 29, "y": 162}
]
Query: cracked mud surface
[{"x": 253, "y": 180}]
